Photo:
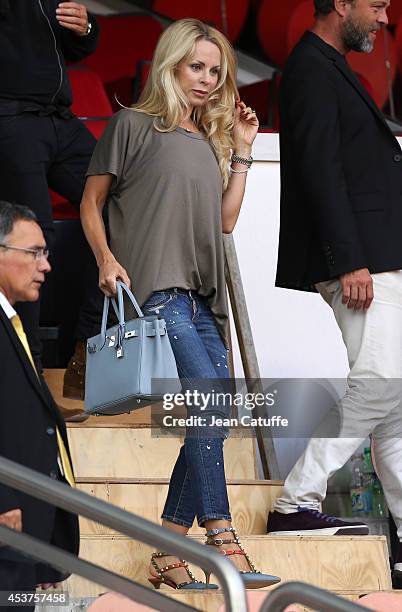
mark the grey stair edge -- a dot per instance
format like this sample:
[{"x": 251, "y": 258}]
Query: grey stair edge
[
  {"x": 157, "y": 481},
  {"x": 258, "y": 537}
]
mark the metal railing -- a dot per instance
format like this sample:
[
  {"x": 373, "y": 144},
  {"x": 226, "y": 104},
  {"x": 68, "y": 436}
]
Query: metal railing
[
  {"x": 307, "y": 595},
  {"x": 58, "y": 494}
]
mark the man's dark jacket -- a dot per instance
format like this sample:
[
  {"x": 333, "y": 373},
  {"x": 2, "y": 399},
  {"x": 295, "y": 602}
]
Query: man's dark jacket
[
  {"x": 28, "y": 421},
  {"x": 341, "y": 173},
  {"x": 34, "y": 48}
]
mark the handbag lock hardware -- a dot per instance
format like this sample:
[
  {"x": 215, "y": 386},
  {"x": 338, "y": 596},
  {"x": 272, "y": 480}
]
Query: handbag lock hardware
[{"x": 129, "y": 334}]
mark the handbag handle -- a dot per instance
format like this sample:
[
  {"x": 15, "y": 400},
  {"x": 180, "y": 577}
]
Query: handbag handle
[
  {"x": 119, "y": 307},
  {"x": 120, "y": 287}
]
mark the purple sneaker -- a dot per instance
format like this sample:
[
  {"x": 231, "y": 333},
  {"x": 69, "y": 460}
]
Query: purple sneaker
[{"x": 307, "y": 521}]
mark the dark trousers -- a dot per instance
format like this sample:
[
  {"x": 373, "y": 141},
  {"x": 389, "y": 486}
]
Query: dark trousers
[
  {"x": 17, "y": 577},
  {"x": 37, "y": 153}
]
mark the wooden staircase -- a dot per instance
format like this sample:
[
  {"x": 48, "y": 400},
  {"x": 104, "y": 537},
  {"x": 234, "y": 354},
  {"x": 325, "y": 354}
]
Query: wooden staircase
[{"x": 121, "y": 460}]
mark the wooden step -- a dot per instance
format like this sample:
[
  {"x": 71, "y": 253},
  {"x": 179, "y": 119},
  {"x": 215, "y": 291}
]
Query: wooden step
[
  {"x": 332, "y": 562},
  {"x": 250, "y": 502},
  {"x": 54, "y": 380},
  {"x": 127, "y": 452}
]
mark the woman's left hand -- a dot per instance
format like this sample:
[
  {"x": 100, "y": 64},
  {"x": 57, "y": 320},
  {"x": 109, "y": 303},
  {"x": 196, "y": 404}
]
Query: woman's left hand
[{"x": 245, "y": 125}]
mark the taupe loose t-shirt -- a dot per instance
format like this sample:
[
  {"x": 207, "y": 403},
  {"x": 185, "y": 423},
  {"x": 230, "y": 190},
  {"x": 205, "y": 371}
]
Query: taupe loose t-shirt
[{"x": 164, "y": 208}]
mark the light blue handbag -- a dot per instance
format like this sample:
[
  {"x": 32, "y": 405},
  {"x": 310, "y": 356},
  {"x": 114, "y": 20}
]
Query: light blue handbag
[{"x": 130, "y": 365}]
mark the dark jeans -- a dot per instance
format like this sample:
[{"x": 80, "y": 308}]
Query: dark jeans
[
  {"x": 37, "y": 153},
  {"x": 198, "y": 484}
]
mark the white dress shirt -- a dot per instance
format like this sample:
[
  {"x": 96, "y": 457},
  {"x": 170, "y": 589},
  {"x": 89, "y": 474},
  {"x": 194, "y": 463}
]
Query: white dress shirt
[
  {"x": 10, "y": 313},
  {"x": 6, "y": 306}
]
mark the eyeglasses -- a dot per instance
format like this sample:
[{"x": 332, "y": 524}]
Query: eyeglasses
[{"x": 37, "y": 252}]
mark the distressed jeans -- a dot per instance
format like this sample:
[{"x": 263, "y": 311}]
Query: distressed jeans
[{"x": 198, "y": 485}]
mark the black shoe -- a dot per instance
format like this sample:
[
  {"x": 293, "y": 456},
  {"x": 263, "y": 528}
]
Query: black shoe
[
  {"x": 397, "y": 571},
  {"x": 311, "y": 522}
]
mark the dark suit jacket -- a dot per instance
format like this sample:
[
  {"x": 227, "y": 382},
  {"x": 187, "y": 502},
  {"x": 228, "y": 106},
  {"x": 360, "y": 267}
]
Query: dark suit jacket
[
  {"x": 28, "y": 420},
  {"x": 341, "y": 173}
]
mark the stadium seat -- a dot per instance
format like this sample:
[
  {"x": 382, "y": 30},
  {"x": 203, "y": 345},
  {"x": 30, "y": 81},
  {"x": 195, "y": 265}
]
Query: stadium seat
[
  {"x": 264, "y": 97},
  {"x": 91, "y": 104},
  {"x": 398, "y": 41},
  {"x": 124, "y": 40},
  {"x": 394, "y": 12},
  {"x": 272, "y": 25},
  {"x": 209, "y": 11},
  {"x": 89, "y": 96},
  {"x": 141, "y": 75}
]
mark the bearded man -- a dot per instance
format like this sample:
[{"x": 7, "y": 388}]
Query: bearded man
[{"x": 341, "y": 227}]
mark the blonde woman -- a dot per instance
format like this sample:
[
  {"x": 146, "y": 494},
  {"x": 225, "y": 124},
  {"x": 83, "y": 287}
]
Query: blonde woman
[{"x": 163, "y": 167}]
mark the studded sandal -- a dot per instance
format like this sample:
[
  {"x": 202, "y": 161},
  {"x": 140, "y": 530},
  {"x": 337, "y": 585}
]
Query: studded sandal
[
  {"x": 253, "y": 579},
  {"x": 160, "y": 578}
]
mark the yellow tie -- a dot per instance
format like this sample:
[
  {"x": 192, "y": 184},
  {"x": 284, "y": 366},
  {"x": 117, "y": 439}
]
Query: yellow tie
[
  {"x": 17, "y": 324},
  {"x": 65, "y": 461}
]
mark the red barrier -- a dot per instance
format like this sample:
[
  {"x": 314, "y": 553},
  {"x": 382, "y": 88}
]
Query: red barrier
[
  {"x": 398, "y": 41},
  {"x": 301, "y": 20},
  {"x": 394, "y": 12},
  {"x": 209, "y": 11},
  {"x": 89, "y": 100},
  {"x": 272, "y": 23},
  {"x": 89, "y": 95},
  {"x": 124, "y": 40}
]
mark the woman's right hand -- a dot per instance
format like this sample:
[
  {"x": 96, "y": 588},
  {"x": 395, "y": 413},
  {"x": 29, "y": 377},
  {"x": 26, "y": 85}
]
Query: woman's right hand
[{"x": 109, "y": 272}]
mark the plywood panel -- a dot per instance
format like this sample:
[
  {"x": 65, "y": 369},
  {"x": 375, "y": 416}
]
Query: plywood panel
[
  {"x": 334, "y": 563},
  {"x": 124, "y": 452},
  {"x": 249, "y": 503}
]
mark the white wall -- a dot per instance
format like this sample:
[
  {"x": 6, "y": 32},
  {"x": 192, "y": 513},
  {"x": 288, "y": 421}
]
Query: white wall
[{"x": 294, "y": 332}]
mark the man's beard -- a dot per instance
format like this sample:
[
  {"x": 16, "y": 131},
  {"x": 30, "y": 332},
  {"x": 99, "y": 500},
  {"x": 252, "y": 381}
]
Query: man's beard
[{"x": 356, "y": 37}]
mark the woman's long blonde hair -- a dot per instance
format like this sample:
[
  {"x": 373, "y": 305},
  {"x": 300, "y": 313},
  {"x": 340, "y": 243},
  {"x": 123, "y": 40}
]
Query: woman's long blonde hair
[{"x": 163, "y": 97}]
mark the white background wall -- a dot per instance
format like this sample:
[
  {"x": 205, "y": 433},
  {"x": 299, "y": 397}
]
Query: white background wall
[{"x": 295, "y": 333}]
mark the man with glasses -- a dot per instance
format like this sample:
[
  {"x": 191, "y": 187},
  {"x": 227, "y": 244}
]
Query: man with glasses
[{"x": 32, "y": 431}]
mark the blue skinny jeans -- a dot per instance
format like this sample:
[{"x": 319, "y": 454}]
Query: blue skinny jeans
[{"x": 198, "y": 485}]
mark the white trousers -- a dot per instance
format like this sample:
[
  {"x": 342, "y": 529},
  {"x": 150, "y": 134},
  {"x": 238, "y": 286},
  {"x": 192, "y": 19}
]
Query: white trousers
[{"x": 372, "y": 402}]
